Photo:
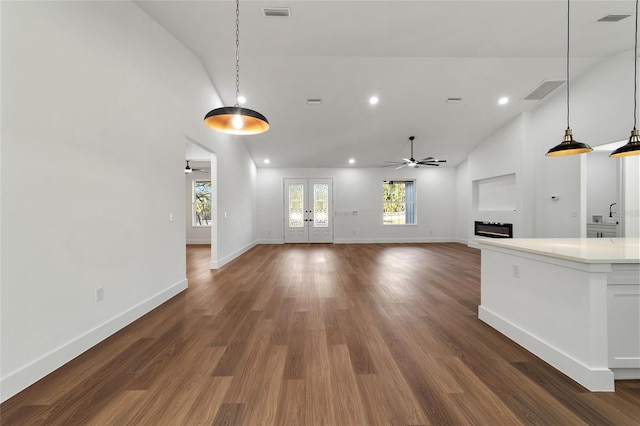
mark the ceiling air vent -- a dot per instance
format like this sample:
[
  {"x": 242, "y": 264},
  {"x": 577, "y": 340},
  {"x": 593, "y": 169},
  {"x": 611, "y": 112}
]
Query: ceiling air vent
[
  {"x": 279, "y": 12},
  {"x": 453, "y": 101},
  {"x": 613, "y": 17},
  {"x": 543, "y": 90},
  {"x": 314, "y": 101}
]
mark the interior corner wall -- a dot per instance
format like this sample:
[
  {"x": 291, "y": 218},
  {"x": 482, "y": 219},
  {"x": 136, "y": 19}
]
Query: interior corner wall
[
  {"x": 463, "y": 227},
  {"x": 499, "y": 156},
  {"x": 601, "y": 112},
  {"x": 236, "y": 209},
  {"x": 360, "y": 189},
  {"x": 631, "y": 189},
  {"x": 93, "y": 211}
]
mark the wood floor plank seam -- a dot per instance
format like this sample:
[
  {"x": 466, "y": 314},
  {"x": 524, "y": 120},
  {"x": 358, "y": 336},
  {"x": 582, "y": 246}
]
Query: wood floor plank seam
[{"x": 307, "y": 335}]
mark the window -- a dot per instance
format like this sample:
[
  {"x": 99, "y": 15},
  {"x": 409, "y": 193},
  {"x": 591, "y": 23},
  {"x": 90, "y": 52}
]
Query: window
[
  {"x": 202, "y": 203},
  {"x": 398, "y": 202}
]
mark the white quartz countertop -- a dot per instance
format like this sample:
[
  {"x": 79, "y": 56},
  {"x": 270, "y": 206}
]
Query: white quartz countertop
[{"x": 585, "y": 250}]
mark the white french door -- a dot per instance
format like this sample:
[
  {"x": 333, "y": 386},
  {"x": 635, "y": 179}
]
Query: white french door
[{"x": 308, "y": 208}]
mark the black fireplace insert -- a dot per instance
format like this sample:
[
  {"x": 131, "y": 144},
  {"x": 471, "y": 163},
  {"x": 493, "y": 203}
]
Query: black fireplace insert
[{"x": 494, "y": 229}]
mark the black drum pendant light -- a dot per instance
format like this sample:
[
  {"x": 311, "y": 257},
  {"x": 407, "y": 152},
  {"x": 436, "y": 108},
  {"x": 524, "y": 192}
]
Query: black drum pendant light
[
  {"x": 633, "y": 146},
  {"x": 237, "y": 120},
  {"x": 568, "y": 146}
]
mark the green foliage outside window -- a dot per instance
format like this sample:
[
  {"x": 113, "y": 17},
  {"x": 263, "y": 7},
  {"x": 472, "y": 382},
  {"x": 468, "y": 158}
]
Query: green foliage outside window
[
  {"x": 397, "y": 202},
  {"x": 202, "y": 203}
]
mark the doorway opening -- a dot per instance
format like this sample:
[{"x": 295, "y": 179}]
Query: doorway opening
[
  {"x": 201, "y": 225},
  {"x": 307, "y": 210}
]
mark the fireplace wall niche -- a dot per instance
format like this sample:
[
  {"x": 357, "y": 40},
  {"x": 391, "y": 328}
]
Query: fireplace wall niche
[{"x": 496, "y": 208}]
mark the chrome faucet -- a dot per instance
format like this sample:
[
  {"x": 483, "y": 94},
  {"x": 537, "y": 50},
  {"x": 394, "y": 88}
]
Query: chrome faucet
[{"x": 610, "y": 212}]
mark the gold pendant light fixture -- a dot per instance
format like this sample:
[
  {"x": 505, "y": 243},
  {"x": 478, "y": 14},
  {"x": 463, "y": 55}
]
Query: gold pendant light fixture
[
  {"x": 237, "y": 120},
  {"x": 633, "y": 146},
  {"x": 568, "y": 146}
]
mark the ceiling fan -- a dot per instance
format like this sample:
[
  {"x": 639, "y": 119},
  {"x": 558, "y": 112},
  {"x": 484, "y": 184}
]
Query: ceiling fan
[
  {"x": 189, "y": 169},
  {"x": 412, "y": 162}
]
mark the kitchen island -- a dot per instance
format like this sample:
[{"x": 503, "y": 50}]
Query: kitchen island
[{"x": 573, "y": 302}]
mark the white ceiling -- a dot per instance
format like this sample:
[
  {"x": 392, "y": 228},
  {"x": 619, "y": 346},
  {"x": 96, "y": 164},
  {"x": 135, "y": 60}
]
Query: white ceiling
[{"x": 412, "y": 54}]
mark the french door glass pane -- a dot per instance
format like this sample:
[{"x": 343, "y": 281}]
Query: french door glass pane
[
  {"x": 296, "y": 205},
  {"x": 320, "y": 205}
]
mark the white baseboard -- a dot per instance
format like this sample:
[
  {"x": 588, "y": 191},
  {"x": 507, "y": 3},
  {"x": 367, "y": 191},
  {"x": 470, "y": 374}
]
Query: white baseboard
[
  {"x": 199, "y": 241},
  {"x": 272, "y": 241},
  {"x": 594, "y": 379},
  {"x": 29, "y": 374},
  {"x": 626, "y": 373},
  {"x": 221, "y": 262},
  {"x": 392, "y": 240}
]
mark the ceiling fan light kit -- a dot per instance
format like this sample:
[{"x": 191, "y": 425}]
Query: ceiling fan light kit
[
  {"x": 188, "y": 169},
  {"x": 237, "y": 120},
  {"x": 412, "y": 162}
]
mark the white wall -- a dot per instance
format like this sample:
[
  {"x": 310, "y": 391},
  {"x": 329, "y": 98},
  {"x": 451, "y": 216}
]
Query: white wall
[
  {"x": 601, "y": 112},
  {"x": 361, "y": 189},
  {"x": 96, "y": 101},
  {"x": 631, "y": 189},
  {"x": 463, "y": 203},
  {"x": 497, "y": 157}
]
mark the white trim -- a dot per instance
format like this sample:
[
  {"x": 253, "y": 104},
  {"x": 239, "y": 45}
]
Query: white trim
[
  {"x": 199, "y": 241},
  {"x": 594, "y": 379},
  {"x": 221, "y": 262},
  {"x": 626, "y": 373},
  {"x": 393, "y": 240},
  {"x": 274, "y": 241},
  {"x": 20, "y": 379}
]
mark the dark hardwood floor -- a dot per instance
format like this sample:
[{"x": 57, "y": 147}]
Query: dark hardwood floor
[{"x": 319, "y": 335}]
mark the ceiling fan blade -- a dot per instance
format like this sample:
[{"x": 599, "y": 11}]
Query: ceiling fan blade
[
  {"x": 399, "y": 167},
  {"x": 408, "y": 160},
  {"x": 432, "y": 161},
  {"x": 427, "y": 159}
]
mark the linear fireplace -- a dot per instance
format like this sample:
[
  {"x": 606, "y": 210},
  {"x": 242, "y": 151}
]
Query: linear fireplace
[{"x": 494, "y": 229}]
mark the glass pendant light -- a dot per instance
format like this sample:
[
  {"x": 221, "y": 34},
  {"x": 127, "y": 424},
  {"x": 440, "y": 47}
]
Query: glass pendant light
[
  {"x": 237, "y": 120},
  {"x": 633, "y": 146},
  {"x": 568, "y": 146}
]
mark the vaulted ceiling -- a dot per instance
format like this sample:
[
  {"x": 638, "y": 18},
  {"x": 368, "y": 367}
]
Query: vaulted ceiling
[{"x": 412, "y": 55}]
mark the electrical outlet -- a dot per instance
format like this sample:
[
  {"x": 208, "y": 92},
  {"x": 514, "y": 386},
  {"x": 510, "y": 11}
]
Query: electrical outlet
[
  {"x": 99, "y": 294},
  {"x": 516, "y": 271}
]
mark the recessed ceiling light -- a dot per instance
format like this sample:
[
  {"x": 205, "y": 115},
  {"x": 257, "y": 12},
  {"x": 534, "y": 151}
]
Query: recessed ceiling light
[
  {"x": 242, "y": 99},
  {"x": 373, "y": 100},
  {"x": 351, "y": 161},
  {"x": 503, "y": 100},
  {"x": 267, "y": 161}
]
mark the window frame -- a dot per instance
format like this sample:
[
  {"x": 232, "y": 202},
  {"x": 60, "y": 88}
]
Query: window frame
[
  {"x": 194, "y": 202},
  {"x": 410, "y": 201}
]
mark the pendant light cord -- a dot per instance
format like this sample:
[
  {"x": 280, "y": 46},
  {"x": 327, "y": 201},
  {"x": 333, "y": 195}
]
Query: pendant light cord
[
  {"x": 237, "y": 52},
  {"x": 568, "y": 42},
  {"x": 635, "y": 73}
]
